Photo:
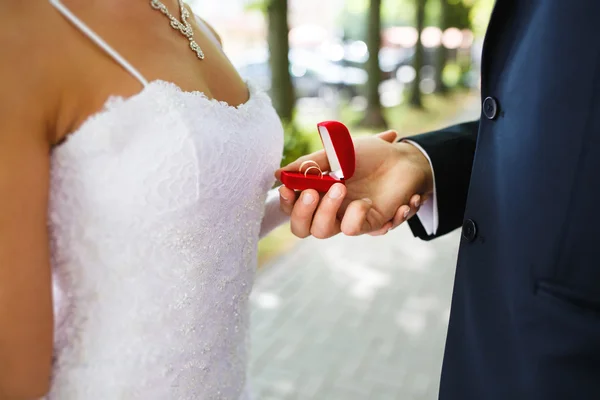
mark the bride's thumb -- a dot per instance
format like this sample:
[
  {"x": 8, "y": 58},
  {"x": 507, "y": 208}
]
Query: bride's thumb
[{"x": 389, "y": 136}]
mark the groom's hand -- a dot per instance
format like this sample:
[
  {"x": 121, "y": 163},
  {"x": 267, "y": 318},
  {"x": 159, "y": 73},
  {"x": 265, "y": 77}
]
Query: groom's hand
[{"x": 390, "y": 182}]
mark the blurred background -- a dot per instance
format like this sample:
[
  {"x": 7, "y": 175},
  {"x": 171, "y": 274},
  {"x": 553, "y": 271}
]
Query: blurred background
[{"x": 354, "y": 318}]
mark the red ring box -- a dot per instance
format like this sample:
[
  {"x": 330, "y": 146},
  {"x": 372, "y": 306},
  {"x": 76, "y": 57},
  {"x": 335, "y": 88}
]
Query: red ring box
[{"x": 339, "y": 149}]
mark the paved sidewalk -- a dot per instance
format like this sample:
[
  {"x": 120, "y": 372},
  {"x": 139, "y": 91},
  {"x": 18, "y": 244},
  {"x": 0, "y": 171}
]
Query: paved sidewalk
[{"x": 353, "y": 318}]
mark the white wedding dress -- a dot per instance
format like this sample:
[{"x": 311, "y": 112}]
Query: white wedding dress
[{"x": 156, "y": 208}]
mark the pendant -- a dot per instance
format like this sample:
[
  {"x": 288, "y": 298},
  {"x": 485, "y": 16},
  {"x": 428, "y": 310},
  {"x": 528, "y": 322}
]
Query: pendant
[
  {"x": 194, "y": 46},
  {"x": 183, "y": 26}
]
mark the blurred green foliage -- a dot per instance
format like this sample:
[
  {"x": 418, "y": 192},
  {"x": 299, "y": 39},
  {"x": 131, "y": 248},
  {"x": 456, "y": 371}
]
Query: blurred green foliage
[
  {"x": 301, "y": 139},
  {"x": 297, "y": 142},
  {"x": 463, "y": 14}
]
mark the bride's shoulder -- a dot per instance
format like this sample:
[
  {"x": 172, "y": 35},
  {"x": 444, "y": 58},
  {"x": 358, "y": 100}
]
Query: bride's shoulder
[
  {"x": 28, "y": 42},
  {"x": 29, "y": 52},
  {"x": 21, "y": 21}
]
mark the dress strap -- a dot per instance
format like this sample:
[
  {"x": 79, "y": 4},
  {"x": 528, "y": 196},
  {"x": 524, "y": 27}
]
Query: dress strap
[
  {"x": 98, "y": 40},
  {"x": 208, "y": 31}
]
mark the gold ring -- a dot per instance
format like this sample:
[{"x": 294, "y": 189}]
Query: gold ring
[
  {"x": 309, "y": 162},
  {"x": 317, "y": 168}
]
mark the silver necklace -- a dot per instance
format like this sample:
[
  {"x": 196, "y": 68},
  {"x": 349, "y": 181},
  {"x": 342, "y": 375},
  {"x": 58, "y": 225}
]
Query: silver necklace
[{"x": 183, "y": 26}]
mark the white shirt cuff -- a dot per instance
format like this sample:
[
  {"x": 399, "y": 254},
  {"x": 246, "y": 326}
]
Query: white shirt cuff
[{"x": 428, "y": 213}]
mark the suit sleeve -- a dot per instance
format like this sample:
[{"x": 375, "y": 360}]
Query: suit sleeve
[{"x": 451, "y": 151}]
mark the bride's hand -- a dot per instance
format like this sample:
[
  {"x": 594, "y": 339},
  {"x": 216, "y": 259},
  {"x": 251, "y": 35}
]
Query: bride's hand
[{"x": 391, "y": 181}]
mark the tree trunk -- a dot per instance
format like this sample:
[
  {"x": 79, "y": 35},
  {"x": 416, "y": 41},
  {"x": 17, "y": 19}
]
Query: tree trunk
[
  {"x": 415, "y": 98},
  {"x": 282, "y": 89},
  {"x": 374, "y": 115},
  {"x": 442, "y": 52}
]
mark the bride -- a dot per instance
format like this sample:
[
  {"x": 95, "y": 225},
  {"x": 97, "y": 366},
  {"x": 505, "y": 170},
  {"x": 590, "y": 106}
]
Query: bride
[
  {"x": 137, "y": 218},
  {"x": 135, "y": 168}
]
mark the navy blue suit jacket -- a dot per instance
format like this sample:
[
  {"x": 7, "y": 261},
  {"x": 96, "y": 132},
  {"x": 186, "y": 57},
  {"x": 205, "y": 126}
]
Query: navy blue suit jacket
[{"x": 523, "y": 182}]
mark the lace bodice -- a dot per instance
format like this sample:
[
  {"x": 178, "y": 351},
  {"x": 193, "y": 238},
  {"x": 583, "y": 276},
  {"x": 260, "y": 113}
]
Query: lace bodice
[{"x": 155, "y": 213}]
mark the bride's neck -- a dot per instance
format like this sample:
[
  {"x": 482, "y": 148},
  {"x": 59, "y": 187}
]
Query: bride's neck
[
  {"x": 119, "y": 10},
  {"x": 123, "y": 7}
]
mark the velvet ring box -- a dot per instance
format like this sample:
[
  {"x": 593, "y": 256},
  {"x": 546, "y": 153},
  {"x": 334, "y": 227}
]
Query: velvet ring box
[{"x": 339, "y": 149}]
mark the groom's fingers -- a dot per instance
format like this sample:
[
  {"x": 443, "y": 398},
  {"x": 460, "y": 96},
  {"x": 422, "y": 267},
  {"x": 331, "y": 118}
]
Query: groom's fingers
[
  {"x": 418, "y": 200},
  {"x": 406, "y": 212},
  {"x": 388, "y": 136},
  {"x": 384, "y": 230},
  {"x": 402, "y": 215},
  {"x": 303, "y": 212},
  {"x": 325, "y": 223},
  {"x": 361, "y": 218},
  {"x": 415, "y": 204}
]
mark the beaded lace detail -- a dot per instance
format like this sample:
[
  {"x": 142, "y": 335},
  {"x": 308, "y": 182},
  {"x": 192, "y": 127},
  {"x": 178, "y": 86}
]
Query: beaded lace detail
[{"x": 155, "y": 212}]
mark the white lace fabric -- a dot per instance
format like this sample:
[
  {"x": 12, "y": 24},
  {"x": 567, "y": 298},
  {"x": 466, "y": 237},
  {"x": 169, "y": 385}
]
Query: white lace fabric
[{"x": 155, "y": 213}]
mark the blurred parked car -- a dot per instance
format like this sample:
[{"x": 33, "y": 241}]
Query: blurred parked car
[
  {"x": 356, "y": 54},
  {"x": 311, "y": 73}
]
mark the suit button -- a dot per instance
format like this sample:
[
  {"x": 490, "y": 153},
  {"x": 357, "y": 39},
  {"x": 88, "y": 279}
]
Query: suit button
[
  {"x": 490, "y": 108},
  {"x": 469, "y": 230}
]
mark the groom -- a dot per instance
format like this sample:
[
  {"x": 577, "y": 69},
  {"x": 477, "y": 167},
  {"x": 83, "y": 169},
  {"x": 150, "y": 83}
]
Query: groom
[{"x": 523, "y": 184}]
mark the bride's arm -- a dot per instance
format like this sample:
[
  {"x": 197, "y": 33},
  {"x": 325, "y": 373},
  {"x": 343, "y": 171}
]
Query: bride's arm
[
  {"x": 273, "y": 214},
  {"x": 26, "y": 315}
]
